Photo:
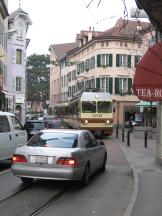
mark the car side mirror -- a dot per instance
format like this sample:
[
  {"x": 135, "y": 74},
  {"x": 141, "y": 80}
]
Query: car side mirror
[{"x": 101, "y": 142}]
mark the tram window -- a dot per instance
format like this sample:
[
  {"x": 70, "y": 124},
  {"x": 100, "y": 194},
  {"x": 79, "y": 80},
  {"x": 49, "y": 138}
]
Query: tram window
[
  {"x": 89, "y": 106},
  {"x": 104, "y": 107}
]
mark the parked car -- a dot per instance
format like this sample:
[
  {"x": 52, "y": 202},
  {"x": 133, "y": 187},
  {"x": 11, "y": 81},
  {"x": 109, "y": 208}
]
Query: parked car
[
  {"x": 33, "y": 126},
  {"x": 12, "y": 134},
  {"x": 60, "y": 154},
  {"x": 56, "y": 124}
]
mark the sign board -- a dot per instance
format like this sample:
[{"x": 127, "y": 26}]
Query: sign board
[{"x": 149, "y": 94}]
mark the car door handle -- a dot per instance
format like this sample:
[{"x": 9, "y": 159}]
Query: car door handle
[
  {"x": 10, "y": 137},
  {"x": 17, "y": 135}
]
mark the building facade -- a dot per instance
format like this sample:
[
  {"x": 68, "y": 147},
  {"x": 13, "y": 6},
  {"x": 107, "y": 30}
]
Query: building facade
[
  {"x": 3, "y": 52},
  {"x": 18, "y": 24},
  {"x": 107, "y": 61}
]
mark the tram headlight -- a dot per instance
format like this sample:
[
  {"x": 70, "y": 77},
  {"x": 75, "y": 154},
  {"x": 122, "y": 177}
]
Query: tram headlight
[
  {"x": 107, "y": 121},
  {"x": 85, "y": 122}
]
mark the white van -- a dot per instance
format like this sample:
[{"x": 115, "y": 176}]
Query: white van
[{"x": 12, "y": 134}]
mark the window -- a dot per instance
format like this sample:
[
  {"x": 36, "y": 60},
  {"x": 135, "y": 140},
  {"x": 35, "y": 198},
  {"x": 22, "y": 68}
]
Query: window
[
  {"x": 104, "y": 60},
  {"x": 106, "y": 84},
  {"x": 18, "y": 56},
  {"x": 4, "y": 124},
  {"x": 104, "y": 107},
  {"x": 19, "y": 32},
  {"x": 89, "y": 141},
  {"x": 123, "y": 60},
  {"x": 16, "y": 123},
  {"x": 89, "y": 106},
  {"x": 123, "y": 85},
  {"x": 18, "y": 83},
  {"x": 137, "y": 58}
]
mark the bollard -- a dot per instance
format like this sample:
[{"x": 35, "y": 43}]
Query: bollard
[
  {"x": 128, "y": 138},
  {"x": 123, "y": 134},
  {"x": 145, "y": 139},
  {"x": 117, "y": 131}
]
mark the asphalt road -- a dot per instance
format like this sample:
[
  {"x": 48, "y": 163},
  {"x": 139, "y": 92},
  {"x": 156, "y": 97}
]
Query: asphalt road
[{"x": 108, "y": 193}]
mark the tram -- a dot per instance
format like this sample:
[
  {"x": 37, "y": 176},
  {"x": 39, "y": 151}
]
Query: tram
[{"x": 93, "y": 111}]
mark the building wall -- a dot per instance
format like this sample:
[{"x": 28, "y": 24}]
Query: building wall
[
  {"x": 18, "y": 27},
  {"x": 54, "y": 80}
]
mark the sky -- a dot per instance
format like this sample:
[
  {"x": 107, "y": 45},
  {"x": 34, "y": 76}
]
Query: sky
[{"x": 58, "y": 21}]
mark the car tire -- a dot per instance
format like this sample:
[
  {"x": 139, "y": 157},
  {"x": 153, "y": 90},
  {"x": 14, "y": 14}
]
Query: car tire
[
  {"x": 103, "y": 168},
  {"x": 26, "y": 180},
  {"x": 86, "y": 176}
]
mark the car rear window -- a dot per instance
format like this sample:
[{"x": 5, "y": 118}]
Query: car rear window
[{"x": 56, "y": 140}]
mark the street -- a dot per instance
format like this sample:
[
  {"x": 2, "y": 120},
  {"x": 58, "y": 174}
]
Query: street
[{"x": 108, "y": 193}]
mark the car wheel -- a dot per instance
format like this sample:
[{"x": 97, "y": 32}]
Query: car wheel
[
  {"x": 103, "y": 168},
  {"x": 86, "y": 176},
  {"x": 26, "y": 180}
]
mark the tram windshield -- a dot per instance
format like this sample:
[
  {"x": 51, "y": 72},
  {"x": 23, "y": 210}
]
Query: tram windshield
[
  {"x": 93, "y": 107},
  {"x": 89, "y": 106},
  {"x": 104, "y": 107}
]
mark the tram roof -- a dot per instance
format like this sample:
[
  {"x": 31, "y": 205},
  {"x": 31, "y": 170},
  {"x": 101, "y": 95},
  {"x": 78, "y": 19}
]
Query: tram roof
[{"x": 87, "y": 96}]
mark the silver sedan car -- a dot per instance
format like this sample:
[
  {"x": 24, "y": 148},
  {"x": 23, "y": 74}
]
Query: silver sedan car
[{"x": 59, "y": 154}]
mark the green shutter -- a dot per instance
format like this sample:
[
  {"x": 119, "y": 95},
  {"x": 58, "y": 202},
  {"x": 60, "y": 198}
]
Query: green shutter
[
  {"x": 98, "y": 60},
  {"x": 135, "y": 60},
  {"x": 117, "y": 60},
  {"x": 110, "y": 60},
  {"x": 98, "y": 83},
  {"x": 78, "y": 69},
  {"x": 110, "y": 85},
  {"x": 129, "y": 61},
  {"x": 117, "y": 85},
  {"x": 129, "y": 85}
]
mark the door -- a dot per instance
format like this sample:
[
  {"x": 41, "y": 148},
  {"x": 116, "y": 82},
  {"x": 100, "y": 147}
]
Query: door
[
  {"x": 20, "y": 133},
  {"x": 7, "y": 138},
  {"x": 92, "y": 151}
]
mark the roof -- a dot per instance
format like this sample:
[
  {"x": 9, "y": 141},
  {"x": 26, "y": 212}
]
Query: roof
[
  {"x": 61, "y": 49},
  {"x": 14, "y": 14},
  {"x": 126, "y": 28}
]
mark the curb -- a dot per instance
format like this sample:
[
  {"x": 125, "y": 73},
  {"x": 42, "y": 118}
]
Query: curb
[{"x": 134, "y": 195}]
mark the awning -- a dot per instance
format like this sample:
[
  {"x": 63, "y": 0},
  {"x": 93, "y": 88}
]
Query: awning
[
  {"x": 147, "y": 84},
  {"x": 146, "y": 104}
]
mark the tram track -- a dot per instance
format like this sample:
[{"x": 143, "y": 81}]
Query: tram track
[{"x": 33, "y": 199}]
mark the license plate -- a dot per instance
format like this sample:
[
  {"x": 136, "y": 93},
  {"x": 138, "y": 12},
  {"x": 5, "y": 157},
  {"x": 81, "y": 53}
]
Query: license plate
[{"x": 41, "y": 159}]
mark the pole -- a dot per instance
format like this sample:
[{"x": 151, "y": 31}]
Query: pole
[
  {"x": 123, "y": 134},
  {"x": 128, "y": 138},
  {"x": 117, "y": 127},
  {"x": 145, "y": 139}
]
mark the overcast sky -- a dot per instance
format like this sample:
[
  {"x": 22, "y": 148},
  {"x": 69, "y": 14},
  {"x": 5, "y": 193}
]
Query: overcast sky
[{"x": 58, "y": 21}]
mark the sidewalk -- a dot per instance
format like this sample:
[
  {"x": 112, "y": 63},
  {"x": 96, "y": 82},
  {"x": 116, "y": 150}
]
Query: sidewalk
[{"x": 147, "y": 196}]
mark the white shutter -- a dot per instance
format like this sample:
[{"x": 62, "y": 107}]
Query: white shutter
[
  {"x": 14, "y": 56},
  {"x": 14, "y": 84},
  {"x": 24, "y": 58},
  {"x": 23, "y": 85}
]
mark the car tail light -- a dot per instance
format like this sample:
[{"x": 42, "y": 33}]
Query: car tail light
[
  {"x": 66, "y": 161},
  {"x": 19, "y": 159}
]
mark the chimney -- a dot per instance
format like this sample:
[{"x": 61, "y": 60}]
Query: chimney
[{"x": 89, "y": 28}]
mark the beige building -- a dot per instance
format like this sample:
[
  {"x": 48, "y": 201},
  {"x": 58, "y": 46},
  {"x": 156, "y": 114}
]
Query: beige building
[
  {"x": 107, "y": 61},
  {"x": 57, "y": 51}
]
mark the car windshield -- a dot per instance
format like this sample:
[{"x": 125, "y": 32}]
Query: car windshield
[
  {"x": 54, "y": 139},
  {"x": 35, "y": 125}
]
